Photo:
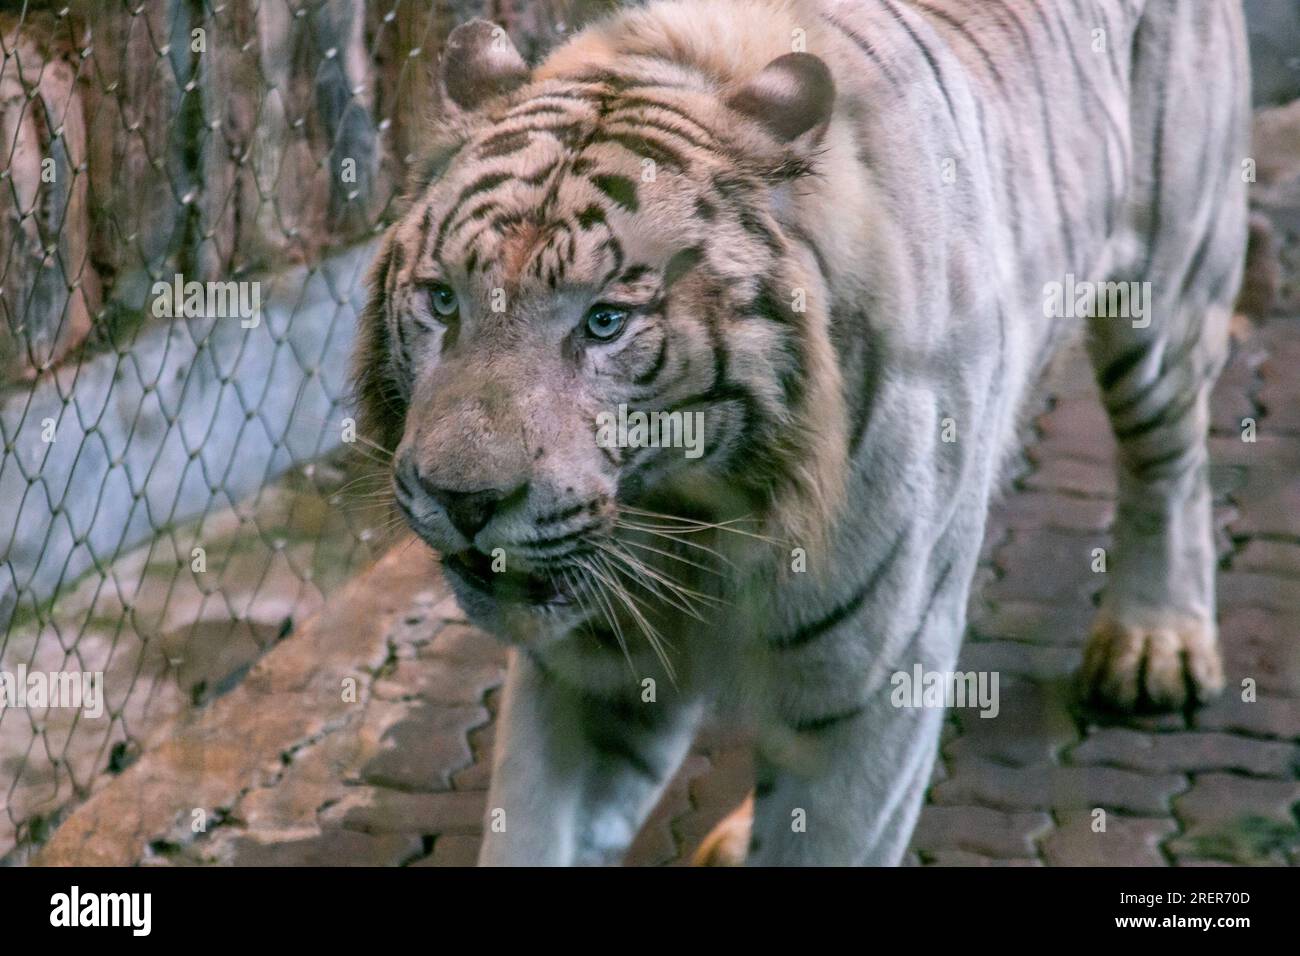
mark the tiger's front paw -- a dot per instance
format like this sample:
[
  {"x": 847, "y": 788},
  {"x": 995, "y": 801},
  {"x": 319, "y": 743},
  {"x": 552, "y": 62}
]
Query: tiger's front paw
[
  {"x": 728, "y": 843},
  {"x": 1153, "y": 665}
]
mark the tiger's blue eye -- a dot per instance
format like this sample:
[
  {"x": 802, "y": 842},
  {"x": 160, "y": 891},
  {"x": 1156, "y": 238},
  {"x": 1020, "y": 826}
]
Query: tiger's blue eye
[
  {"x": 605, "y": 322},
  {"x": 443, "y": 300}
]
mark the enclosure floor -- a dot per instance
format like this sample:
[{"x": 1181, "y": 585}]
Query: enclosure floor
[{"x": 289, "y": 768}]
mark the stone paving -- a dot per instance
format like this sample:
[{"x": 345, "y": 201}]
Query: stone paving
[{"x": 365, "y": 737}]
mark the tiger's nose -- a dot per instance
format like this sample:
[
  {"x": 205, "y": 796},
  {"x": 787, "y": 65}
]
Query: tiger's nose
[{"x": 469, "y": 511}]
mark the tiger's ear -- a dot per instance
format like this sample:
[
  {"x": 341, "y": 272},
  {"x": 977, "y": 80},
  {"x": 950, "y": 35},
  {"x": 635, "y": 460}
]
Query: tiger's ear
[
  {"x": 479, "y": 63},
  {"x": 791, "y": 96}
]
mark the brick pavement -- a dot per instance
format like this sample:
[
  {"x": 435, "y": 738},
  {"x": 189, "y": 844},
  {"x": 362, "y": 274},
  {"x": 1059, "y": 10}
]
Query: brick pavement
[{"x": 289, "y": 768}]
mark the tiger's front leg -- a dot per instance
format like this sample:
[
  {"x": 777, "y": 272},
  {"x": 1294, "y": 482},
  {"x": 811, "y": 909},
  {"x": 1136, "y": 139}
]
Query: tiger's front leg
[
  {"x": 858, "y": 804},
  {"x": 842, "y": 768},
  {"x": 575, "y": 773}
]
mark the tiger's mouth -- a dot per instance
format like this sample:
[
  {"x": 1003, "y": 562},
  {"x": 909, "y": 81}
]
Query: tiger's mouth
[{"x": 474, "y": 569}]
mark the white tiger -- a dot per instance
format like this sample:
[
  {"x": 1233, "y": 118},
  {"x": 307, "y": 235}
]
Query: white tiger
[{"x": 827, "y": 227}]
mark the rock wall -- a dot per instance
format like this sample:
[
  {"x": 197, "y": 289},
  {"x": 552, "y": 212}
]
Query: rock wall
[{"x": 49, "y": 290}]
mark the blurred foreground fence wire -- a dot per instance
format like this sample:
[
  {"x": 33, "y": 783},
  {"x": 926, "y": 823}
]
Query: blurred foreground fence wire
[{"x": 189, "y": 192}]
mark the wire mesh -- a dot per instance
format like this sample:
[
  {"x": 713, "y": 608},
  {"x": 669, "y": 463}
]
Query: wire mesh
[{"x": 176, "y": 484}]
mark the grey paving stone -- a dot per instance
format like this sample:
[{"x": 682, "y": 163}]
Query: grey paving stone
[
  {"x": 422, "y": 751},
  {"x": 333, "y": 847},
  {"x": 1190, "y": 751},
  {"x": 979, "y": 830},
  {"x": 1265, "y": 716},
  {"x": 1124, "y": 841},
  {"x": 379, "y": 811},
  {"x": 1033, "y": 724},
  {"x": 1237, "y": 819},
  {"x": 1049, "y": 787},
  {"x": 1073, "y": 476}
]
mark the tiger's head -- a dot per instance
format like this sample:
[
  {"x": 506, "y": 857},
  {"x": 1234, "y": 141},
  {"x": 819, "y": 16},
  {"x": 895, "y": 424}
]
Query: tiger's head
[{"x": 582, "y": 245}]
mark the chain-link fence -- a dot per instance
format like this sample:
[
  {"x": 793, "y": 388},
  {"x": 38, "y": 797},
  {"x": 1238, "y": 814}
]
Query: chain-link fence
[{"x": 189, "y": 193}]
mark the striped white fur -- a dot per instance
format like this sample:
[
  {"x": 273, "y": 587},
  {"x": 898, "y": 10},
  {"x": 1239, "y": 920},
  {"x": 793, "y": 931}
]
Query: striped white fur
[{"x": 975, "y": 151}]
